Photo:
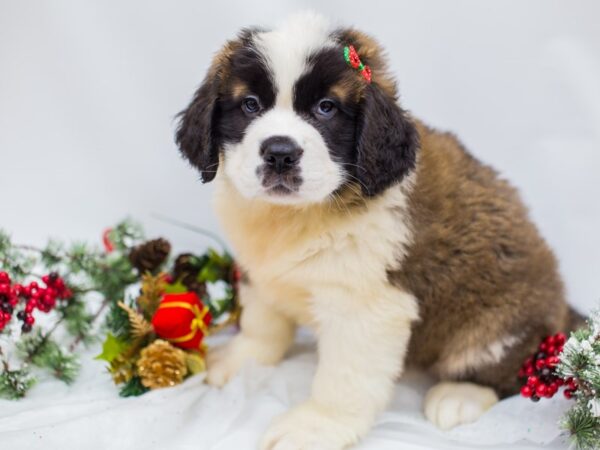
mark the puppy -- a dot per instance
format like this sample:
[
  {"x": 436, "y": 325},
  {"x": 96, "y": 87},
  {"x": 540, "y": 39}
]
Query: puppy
[{"x": 349, "y": 216}]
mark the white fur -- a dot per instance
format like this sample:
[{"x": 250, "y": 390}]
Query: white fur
[
  {"x": 286, "y": 49},
  {"x": 320, "y": 174},
  {"x": 450, "y": 404},
  {"x": 475, "y": 357}
]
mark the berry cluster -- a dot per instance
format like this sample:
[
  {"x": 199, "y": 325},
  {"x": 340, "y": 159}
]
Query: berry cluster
[
  {"x": 539, "y": 371},
  {"x": 35, "y": 296}
]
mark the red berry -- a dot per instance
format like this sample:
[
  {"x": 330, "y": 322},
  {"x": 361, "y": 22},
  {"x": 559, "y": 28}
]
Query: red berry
[
  {"x": 561, "y": 338},
  {"x": 526, "y": 391},
  {"x": 17, "y": 289},
  {"x": 551, "y": 350},
  {"x": 533, "y": 381},
  {"x": 529, "y": 371},
  {"x": 568, "y": 393},
  {"x": 543, "y": 346},
  {"x": 33, "y": 285},
  {"x": 4, "y": 278},
  {"x": 553, "y": 361},
  {"x": 4, "y": 288},
  {"x": 29, "y": 319},
  {"x": 540, "y": 390},
  {"x": 560, "y": 381},
  {"x": 46, "y": 279},
  {"x": 521, "y": 373},
  {"x": 540, "y": 364}
]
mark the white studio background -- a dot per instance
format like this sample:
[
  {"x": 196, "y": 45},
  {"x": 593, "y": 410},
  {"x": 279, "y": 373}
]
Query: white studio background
[{"x": 89, "y": 91}]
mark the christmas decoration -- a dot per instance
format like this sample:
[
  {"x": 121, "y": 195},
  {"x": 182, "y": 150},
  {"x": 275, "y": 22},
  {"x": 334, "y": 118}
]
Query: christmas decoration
[
  {"x": 573, "y": 365},
  {"x": 182, "y": 319},
  {"x": 539, "y": 370},
  {"x": 161, "y": 365},
  {"x": 352, "y": 58},
  {"x": 157, "y": 338},
  {"x": 45, "y": 307},
  {"x": 152, "y": 340},
  {"x": 149, "y": 256}
]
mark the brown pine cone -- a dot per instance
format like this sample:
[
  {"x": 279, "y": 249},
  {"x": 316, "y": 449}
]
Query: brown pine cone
[
  {"x": 161, "y": 365},
  {"x": 148, "y": 256},
  {"x": 187, "y": 271}
]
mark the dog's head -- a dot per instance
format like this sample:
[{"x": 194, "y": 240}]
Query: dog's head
[{"x": 292, "y": 121}]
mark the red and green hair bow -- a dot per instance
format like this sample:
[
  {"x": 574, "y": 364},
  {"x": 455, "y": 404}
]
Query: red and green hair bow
[{"x": 352, "y": 58}]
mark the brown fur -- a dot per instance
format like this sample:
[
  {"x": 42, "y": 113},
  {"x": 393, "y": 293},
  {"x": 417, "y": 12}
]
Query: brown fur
[{"x": 478, "y": 267}]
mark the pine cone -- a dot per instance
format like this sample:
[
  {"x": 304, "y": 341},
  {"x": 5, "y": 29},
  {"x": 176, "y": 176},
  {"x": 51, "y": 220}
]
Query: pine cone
[
  {"x": 161, "y": 365},
  {"x": 186, "y": 270},
  {"x": 148, "y": 256}
]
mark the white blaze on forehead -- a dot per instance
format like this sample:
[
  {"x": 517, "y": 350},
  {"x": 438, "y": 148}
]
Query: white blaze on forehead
[{"x": 286, "y": 49}]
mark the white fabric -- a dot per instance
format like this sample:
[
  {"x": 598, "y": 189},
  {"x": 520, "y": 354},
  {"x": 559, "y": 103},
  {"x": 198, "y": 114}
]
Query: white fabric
[{"x": 89, "y": 415}]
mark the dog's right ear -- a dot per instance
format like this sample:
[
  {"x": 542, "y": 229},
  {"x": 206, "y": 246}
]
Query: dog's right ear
[{"x": 197, "y": 135}]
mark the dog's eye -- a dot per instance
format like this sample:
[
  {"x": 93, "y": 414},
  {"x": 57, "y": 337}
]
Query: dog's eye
[
  {"x": 251, "y": 105},
  {"x": 326, "y": 108}
]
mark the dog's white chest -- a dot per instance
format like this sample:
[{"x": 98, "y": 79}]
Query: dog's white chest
[{"x": 298, "y": 258}]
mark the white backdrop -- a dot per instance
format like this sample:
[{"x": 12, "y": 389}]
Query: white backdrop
[{"x": 89, "y": 90}]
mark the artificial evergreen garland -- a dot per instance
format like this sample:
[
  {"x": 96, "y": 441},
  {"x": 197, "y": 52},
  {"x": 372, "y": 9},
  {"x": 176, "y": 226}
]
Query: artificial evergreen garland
[
  {"x": 149, "y": 343},
  {"x": 56, "y": 281}
]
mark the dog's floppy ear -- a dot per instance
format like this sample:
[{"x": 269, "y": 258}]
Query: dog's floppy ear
[
  {"x": 387, "y": 141},
  {"x": 195, "y": 134}
]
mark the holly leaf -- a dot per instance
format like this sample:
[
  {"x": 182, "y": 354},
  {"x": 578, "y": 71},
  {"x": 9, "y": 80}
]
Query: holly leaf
[
  {"x": 209, "y": 273},
  {"x": 111, "y": 348},
  {"x": 195, "y": 362},
  {"x": 176, "y": 288}
]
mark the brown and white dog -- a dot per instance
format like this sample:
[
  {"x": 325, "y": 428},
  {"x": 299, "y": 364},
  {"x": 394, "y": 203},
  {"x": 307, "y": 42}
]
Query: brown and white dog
[{"x": 386, "y": 237}]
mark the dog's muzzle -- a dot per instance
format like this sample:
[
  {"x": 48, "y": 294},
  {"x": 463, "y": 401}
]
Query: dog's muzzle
[{"x": 280, "y": 171}]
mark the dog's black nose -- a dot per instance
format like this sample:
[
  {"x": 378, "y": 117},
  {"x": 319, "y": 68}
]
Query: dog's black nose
[{"x": 280, "y": 153}]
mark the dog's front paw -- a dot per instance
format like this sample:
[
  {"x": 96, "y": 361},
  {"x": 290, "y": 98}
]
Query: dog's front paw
[
  {"x": 307, "y": 427},
  {"x": 225, "y": 362},
  {"x": 450, "y": 404},
  {"x": 222, "y": 363}
]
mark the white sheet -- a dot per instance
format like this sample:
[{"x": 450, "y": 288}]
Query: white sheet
[{"x": 91, "y": 416}]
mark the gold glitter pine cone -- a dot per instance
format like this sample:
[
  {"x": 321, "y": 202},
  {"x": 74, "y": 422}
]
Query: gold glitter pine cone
[{"x": 161, "y": 365}]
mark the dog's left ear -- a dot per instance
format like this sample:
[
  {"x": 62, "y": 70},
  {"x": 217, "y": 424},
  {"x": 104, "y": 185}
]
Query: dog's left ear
[{"x": 387, "y": 141}]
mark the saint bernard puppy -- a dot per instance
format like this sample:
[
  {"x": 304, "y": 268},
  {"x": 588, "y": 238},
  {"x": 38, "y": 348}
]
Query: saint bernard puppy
[{"x": 352, "y": 217}]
